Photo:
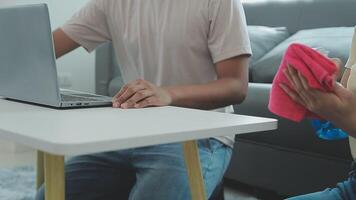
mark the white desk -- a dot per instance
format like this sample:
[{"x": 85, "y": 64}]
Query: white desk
[{"x": 83, "y": 131}]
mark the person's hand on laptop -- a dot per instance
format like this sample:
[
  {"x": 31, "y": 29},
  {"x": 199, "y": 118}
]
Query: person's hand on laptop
[{"x": 141, "y": 94}]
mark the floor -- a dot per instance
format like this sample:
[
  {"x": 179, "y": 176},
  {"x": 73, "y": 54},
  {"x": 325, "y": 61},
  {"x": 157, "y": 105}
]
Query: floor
[{"x": 12, "y": 155}]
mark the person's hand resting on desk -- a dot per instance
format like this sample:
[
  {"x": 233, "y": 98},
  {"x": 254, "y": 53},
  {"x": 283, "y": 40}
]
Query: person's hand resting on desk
[
  {"x": 141, "y": 94},
  {"x": 338, "y": 106}
]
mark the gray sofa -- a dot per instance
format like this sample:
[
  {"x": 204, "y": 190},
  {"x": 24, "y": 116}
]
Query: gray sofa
[{"x": 290, "y": 160}]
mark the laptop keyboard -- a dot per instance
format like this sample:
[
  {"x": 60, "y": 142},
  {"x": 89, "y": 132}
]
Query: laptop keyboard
[{"x": 66, "y": 97}]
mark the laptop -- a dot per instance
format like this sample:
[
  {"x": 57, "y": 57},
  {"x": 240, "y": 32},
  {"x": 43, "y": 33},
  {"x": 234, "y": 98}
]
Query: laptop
[{"x": 28, "y": 71}]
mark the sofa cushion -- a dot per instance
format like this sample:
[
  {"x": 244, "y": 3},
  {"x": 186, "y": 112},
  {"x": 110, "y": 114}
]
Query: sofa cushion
[
  {"x": 336, "y": 41},
  {"x": 264, "y": 38}
]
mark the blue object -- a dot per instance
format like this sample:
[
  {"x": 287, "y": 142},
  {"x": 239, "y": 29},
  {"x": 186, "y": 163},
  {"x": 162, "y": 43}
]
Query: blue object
[{"x": 327, "y": 131}]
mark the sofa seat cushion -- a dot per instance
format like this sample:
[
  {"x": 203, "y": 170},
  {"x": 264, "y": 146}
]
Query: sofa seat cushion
[{"x": 336, "y": 40}]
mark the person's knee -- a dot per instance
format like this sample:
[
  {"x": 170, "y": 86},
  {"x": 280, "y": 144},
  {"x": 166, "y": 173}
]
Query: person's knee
[{"x": 40, "y": 193}]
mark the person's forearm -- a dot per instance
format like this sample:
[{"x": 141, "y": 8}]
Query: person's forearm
[
  {"x": 346, "y": 122},
  {"x": 351, "y": 126},
  {"x": 62, "y": 43},
  {"x": 216, "y": 94},
  {"x": 348, "y": 125}
]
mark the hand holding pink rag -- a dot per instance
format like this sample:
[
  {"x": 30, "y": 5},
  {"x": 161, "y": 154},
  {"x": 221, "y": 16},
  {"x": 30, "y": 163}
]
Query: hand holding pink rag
[{"x": 319, "y": 71}]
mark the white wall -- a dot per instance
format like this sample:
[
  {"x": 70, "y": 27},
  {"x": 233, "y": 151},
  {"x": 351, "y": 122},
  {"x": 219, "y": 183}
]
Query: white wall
[{"x": 76, "y": 70}]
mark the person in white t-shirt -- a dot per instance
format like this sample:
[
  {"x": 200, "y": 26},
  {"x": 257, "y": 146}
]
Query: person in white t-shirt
[
  {"x": 188, "y": 53},
  {"x": 340, "y": 108}
]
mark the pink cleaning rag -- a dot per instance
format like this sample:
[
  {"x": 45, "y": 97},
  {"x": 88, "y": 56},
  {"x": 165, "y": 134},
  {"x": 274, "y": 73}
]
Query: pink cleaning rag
[{"x": 319, "y": 70}]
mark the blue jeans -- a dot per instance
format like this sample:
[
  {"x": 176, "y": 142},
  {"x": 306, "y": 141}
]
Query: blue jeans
[
  {"x": 147, "y": 173},
  {"x": 343, "y": 191}
]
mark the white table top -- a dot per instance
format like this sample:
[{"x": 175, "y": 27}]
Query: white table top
[{"x": 92, "y": 130}]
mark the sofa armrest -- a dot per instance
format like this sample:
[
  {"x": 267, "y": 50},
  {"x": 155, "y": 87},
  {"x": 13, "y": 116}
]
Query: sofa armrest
[
  {"x": 103, "y": 68},
  {"x": 256, "y": 102}
]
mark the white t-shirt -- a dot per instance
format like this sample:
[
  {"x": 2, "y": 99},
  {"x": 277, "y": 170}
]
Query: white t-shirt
[{"x": 166, "y": 42}]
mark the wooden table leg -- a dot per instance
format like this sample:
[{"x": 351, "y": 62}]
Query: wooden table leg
[
  {"x": 40, "y": 169},
  {"x": 54, "y": 177},
  {"x": 192, "y": 161}
]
